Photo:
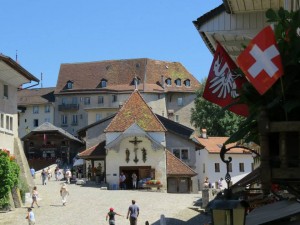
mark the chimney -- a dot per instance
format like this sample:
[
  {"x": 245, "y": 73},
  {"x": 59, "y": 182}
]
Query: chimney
[{"x": 203, "y": 133}]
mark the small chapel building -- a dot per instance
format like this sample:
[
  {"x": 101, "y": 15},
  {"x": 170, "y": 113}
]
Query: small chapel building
[{"x": 135, "y": 140}]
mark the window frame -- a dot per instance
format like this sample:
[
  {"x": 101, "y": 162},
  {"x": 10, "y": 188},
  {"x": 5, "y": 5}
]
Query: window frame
[
  {"x": 100, "y": 99},
  {"x": 35, "y": 109},
  {"x": 87, "y": 100},
  {"x": 35, "y": 122},
  {"x": 64, "y": 119},
  {"x": 47, "y": 108},
  {"x": 180, "y": 101},
  {"x": 217, "y": 168},
  {"x": 5, "y": 91},
  {"x": 178, "y": 82},
  {"x": 242, "y": 167},
  {"x": 114, "y": 98},
  {"x": 180, "y": 150}
]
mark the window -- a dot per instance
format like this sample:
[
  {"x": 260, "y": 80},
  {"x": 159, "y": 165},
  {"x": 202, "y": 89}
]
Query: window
[
  {"x": 74, "y": 120},
  {"x": 217, "y": 167},
  {"x": 178, "y": 82},
  {"x": 187, "y": 83},
  {"x": 63, "y": 101},
  {"x": 230, "y": 167},
  {"x": 5, "y": 91},
  {"x": 182, "y": 154},
  {"x": 69, "y": 85},
  {"x": 98, "y": 117},
  {"x": 47, "y": 120},
  {"x": 35, "y": 122},
  {"x": 177, "y": 118},
  {"x": 103, "y": 83},
  {"x": 87, "y": 100},
  {"x": 179, "y": 101},
  {"x": 203, "y": 167},
  {"x": 35, "y": 109},
  {"x": 114, "y": 98},
  {"x": 47, "y": 108},
  {"x": 2, "y": 120},
  {"x": 64, "y": 119},
  {"x": 168, "y": 82},
  {"x": 100, "y": 99},
  {"x": 241, "y": 165},
  {"x": 10, "y": 123},
  {"x": 74, "y": 100},
  {"x": 7, "y": 122}
]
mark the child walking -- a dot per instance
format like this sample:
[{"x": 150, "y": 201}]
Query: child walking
[
  {"x": 111, "y": 215},
  {"x": 30, "y": 217}
]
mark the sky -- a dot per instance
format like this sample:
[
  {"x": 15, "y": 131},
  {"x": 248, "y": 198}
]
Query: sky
[{"x": 45, "y": 34}]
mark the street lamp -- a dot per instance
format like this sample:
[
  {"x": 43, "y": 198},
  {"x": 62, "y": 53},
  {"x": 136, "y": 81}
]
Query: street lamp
[{"x": 228, "y": 211}]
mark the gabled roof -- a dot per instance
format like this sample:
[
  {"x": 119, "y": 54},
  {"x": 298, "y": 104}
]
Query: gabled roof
[
  {"x": 175, "y": 167},
  {"x": 96, "y": 151},
  {"x": 120, "y": 73},
  {"x": 48, "y": 128},
  {"x": 13, "y": 73},
  {"x": 35, "y": 96},
  {"x": 135, "y": 110},
  {"x": 214, "y": 144}
]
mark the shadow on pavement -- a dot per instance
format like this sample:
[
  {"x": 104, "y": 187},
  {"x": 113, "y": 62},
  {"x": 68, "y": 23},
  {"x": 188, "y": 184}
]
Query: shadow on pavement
[{"x": 57, "y": 205}]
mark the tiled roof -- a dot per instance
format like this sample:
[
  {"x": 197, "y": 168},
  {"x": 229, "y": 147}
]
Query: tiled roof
[
  {"x": 49, "y": 127},
  {"x": 119, "y": 75},
  {"x": 94, "y": 152},
  {"x": 175, "y": 167},
  {"x": 35, "y": 96},
  {"x": 135, "y": 110},
  {"x": 214, "y": 144}
]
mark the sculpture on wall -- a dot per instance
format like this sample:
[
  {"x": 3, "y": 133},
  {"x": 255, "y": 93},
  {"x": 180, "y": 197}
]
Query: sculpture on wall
[
  {"x": 127, "y": 152},
  {"x": 144, "y": 151}
]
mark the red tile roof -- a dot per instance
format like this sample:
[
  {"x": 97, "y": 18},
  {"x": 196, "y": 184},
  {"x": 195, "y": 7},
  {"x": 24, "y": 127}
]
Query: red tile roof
[
  {"x": 119, "y": 75},
  {"x": 214, "y": 144},
  {"x": 96, "y": 151},
  {"x": 175, "y": 167},
  {"x": 135, "y": 110},
  {"x": 35, "y": 96}
]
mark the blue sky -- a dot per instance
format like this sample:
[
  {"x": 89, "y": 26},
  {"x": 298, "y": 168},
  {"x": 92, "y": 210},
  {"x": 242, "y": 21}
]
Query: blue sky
[{"x": 49, "y": 33}]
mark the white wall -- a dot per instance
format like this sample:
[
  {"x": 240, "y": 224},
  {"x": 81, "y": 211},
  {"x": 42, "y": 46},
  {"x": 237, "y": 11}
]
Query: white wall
[
  {"x": 116, "y": 158},
  {"x": 203, "y": 157}
]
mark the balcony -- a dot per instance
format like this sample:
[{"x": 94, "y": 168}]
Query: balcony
[{"x": 68, "y": 107}]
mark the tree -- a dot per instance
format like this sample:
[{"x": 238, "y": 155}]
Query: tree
[{"x": 215, "y": 119}]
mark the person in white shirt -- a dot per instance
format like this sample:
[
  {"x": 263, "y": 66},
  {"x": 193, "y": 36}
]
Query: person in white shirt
[
  {"x": 134, "y": 179},
  {"x": 30, "y": 217}
]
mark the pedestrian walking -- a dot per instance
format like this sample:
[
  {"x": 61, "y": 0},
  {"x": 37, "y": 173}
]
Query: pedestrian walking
[
  {"x": 56, "y": 173},
  {"x": 49, "y": 173},
  {"x": 34, "y": 196},
  {"x": 89, "y": 175},
  {"x": 133, "y": 213},
  {"x": 111, "y": 216},
  {"x": 32, "y": 171},
  {"x": 64, "y": 193},
  {"x": 134, "y": 180},
  {"x": 44, "y": 176},
  {"x": 68, "y": 175},
  {"x": 30, "y": 217}
]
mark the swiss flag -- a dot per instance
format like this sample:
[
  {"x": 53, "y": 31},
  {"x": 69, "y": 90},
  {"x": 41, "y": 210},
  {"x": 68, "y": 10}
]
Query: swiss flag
[
  {"x": 222, "y": 86},
  {"x": 261, "y": 61}
]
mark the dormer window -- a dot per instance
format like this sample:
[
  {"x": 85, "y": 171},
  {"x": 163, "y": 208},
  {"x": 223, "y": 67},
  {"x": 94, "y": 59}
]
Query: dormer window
[
  {"x": 169, "y": 81},
  {"x": 178, "y": 82},
  {"x": 69, "y": 84},
  {"x": 102, "y": 84},
  {"x": 187, "y": 83}
]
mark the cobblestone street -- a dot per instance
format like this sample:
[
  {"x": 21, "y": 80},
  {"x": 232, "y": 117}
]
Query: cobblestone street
[{"x": 89, "y": 205}]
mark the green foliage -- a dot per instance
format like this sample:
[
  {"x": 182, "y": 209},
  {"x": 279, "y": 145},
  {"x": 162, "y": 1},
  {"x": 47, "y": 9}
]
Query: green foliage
[
  {"x": 282, "y": 100},
  {"x": 9, "y": 173},
  {"x": 217, "y": 121}
]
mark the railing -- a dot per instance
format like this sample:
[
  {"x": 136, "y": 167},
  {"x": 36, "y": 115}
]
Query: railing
[{"x": 68, "y": 107}]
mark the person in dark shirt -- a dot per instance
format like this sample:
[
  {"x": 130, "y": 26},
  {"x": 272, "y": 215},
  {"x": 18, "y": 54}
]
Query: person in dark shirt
[{"x": 111, "y": 215}]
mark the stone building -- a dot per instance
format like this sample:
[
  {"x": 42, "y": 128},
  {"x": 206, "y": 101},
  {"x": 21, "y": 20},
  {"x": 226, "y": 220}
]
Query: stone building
[{"x": 88, "y": 92}]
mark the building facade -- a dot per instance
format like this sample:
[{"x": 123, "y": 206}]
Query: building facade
[
  {"x": 36, "y": 106},
  {"x": 88, "y": 92}
]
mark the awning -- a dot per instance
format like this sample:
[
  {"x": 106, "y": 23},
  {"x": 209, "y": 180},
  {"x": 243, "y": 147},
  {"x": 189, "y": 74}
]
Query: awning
[
  {"x": 78, "y": 162},
  {"x": 273, "y": 212}
]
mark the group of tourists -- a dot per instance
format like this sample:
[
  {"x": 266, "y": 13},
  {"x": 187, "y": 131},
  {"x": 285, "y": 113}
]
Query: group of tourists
[
  {"x": 122, "y": 180},
  {"x": 207, "y": 184}
]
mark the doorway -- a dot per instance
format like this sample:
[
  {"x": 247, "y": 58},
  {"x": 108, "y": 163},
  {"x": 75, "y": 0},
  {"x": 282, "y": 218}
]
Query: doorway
[{"x": 140, "y": 171}]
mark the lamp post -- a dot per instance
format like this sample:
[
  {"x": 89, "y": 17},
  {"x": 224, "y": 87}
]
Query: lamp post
[{"x": 228, "y": 211}]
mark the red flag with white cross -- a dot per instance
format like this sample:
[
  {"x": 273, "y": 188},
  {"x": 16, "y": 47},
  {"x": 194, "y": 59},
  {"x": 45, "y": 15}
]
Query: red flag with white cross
[
  {"x": 223, "y": 85},
  {"x": 261, "y": 61}
]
